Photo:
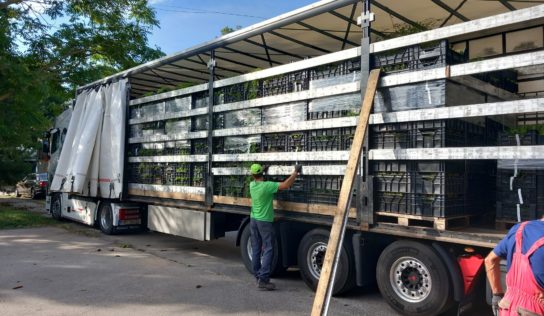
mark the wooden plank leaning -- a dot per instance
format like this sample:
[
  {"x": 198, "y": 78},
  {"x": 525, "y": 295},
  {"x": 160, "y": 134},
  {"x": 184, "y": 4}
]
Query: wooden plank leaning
[{"x": 324, "y": 287}]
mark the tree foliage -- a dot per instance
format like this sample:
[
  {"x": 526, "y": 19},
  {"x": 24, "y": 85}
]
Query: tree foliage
[
  {"x": 227, "y": 29},
  {"x": 50, "y": 47}
]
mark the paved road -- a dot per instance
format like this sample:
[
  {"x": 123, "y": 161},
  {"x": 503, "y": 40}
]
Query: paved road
[{"x": 75, "y": 270}]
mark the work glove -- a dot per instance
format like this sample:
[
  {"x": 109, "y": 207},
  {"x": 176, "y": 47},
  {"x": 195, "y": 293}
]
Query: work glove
[
  {"x": 265, "y": 169},
  {"x": 495, "y": 303},
  {"x": 298, "y": 168}
]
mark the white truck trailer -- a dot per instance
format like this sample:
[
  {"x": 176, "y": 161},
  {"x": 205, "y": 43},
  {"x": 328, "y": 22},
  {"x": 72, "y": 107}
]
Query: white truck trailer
[{"x": 452, "y": 159}]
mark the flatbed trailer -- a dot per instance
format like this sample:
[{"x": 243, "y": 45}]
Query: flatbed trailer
[{"x": 173, "y": 162}]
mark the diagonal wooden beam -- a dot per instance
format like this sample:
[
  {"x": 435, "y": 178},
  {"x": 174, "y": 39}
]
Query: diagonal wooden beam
[{"x": 338, "y": 229}]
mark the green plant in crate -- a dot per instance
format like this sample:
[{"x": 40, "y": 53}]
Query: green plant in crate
[
  {"x": 157, "y": 173},
  {"x": 522, "y": 130}
]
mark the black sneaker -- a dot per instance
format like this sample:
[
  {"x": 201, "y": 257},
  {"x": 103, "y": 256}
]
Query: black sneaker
[{"x": 266, "y": 286}]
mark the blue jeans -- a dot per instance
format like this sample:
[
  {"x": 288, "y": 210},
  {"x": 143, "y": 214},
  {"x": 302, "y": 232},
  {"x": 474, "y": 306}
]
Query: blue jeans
[{"x": 262, "y": 238}]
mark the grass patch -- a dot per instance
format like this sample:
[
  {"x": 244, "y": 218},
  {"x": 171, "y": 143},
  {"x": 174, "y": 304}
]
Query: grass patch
[{"x": 16, "y": 218}]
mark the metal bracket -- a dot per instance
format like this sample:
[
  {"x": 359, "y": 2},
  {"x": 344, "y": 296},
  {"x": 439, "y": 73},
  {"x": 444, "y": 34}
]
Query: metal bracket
[
  {"x": 367, "y": 16},
  {"x": 212, "y": 63}
]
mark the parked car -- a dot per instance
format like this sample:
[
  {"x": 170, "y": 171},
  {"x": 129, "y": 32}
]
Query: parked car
[{"x": 33, "y": 185}]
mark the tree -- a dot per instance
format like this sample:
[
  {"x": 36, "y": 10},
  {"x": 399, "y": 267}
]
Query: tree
[
  {"x": 227, "y": 29},
  {"x": 50, "y": 47}
]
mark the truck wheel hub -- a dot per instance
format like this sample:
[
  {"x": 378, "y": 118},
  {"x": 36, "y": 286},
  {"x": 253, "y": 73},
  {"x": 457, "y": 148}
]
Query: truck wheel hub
[
  {"x": 316, "y": 256},
  {"x": 410, "y": 279}
]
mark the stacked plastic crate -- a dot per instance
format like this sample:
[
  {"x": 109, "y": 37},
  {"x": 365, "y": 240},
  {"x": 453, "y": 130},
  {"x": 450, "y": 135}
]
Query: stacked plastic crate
[
  {"x": 520, "y": 183},
  {"x": 150, "y": 139},
  {"x": 320, "y": 188},
  {"x": 429, "y": 188}
]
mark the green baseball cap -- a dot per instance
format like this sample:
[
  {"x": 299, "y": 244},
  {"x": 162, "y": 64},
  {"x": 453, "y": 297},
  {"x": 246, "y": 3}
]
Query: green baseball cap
[{"x": 256, "y": 169}]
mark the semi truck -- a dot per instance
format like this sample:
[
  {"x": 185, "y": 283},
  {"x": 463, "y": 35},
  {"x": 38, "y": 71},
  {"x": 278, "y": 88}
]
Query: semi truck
[{"x": 452, "y": 159}]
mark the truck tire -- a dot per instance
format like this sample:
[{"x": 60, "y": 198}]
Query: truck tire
[
  {"x": 56, "y": 207},
  {"x": 311, "y": 254},
  {"x": 32, "y": 193},
  {"x": 105, "y": 219},
  {"x": 413, "y": 280},
  {"x": 245, "y": 249}
]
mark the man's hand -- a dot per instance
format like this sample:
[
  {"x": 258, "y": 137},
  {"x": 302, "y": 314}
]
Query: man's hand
[
  {"x": 495, "y": 303},
  {"x": 298, "y": 168}
]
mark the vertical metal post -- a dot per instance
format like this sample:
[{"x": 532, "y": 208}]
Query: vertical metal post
[
  {"x": 124, "y": 184},
  {"x": 209, "y": 175},
  {"x": 365, "y": 198}
]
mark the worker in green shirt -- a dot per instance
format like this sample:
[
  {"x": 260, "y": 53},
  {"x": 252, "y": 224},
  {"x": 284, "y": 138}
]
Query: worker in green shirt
[{"x": 261, "y": 222}]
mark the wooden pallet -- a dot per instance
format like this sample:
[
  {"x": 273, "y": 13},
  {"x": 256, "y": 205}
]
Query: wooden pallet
[{"x": 438, "y": 223}]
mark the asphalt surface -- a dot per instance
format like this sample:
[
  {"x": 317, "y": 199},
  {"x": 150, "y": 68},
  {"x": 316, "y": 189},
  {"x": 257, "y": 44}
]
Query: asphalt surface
[{"x": 75, "y": 270}]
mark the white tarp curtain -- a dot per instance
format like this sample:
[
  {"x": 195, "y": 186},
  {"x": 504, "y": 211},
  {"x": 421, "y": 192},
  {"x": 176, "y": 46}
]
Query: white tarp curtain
[{"x": 91, "y": 161}]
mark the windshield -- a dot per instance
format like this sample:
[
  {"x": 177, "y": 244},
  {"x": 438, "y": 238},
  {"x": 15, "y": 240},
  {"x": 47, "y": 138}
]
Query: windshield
[{"x": 41, "y": 176}]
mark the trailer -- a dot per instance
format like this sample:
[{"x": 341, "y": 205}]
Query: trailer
[{"x": 452, "y": 159}]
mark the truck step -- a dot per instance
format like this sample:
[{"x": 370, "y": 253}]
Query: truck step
[{"x": 438, "y": 223}]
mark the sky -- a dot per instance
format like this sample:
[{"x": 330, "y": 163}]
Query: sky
[{"x": 186, "y": 23}]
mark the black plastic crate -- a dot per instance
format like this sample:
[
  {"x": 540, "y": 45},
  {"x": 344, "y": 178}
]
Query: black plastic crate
[
  {"x": 427, "y": 134},
  {"x": 525, "y": 179},
  {"x": 446, "y": 133},
  {"x": 323, "y": 189},
  {"x": 178, "y": 174},
  {"x": 392, "y": 202},
  {"x": 235, "y": 186},
  {"x": 417, "y": 57},
  {"x": 324, "y": 140},
  {"x": 238, "y": 92},
  {"x": 199, "y": 174},
  {"x": 492, "y": 131},
  {"x": 504, "y": 79},
  {"x": 516, "y": 196},
  {"x": 337, "y": 69},
  {"x": 531, "y": 137},
  {"x": 448, "y": 167},
  {"x": 284, "y": 142},
  {"x": 391, "y": 136},
  {"x": 508, "y": 211},
  {"x": 220, "y": 146},
  {"x": 391, "y": 166},
  {"x": 199, "y": 123},
  {"x": 286, "y": 83},
  {"x": 400, "y": 182},
  {"x": 327, "y": 114},
  {"x": 199, "y": 146},
  {"x": 347, "y": 137},
  {"x": 438, "y": 183},
  {"x": 436, "y": 205}
]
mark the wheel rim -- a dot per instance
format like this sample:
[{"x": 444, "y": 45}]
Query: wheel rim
[
  {"x": 55, "y": 208},
  {"x": 249, "y": 250},
  {"x": 105, "y": 218},
  {"x": 410, "y": 279},
  {"x": 315, "y": 257}
]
